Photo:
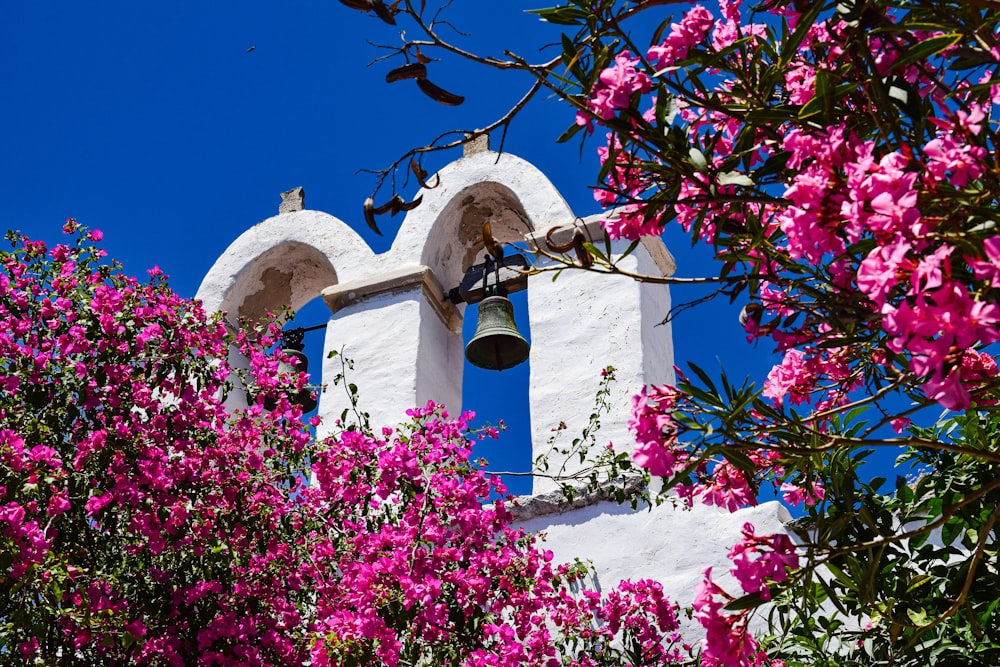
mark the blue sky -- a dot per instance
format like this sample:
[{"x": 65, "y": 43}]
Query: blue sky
[{"x": 152, "y": 122}]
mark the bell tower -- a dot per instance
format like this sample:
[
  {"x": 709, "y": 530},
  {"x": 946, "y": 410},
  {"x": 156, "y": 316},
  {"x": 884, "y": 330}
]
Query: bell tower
[{"x": 394, "y": 313}]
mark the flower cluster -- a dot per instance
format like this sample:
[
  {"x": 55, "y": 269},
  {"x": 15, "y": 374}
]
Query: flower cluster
[
  {"x": 874, "y": 224},
  {"x": 840, "y": 160},
  {"x": 756, "y": 561},
  {"x": 142, "y": 522}
]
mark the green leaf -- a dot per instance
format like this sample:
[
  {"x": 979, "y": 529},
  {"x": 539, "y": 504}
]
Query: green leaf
[
  {"x": 790, "y": 47},
  {"x": 703, "y": 375},
  {"x": 746, "y": 602},
  {"x": 842, "y": 577},
  {"x": 570, "y": 132},
  {"x": 595, "y": 252},
  {"x": 818, "y": 103},
  {"x": 773, "y": 165},
  {"x": 926, "y": 49},
  {"x": 741, "y": 461},
  {"x": 917, "y": 582},
  {"x": 561, "y": 15},
  {"x": 918, "y": 617}
]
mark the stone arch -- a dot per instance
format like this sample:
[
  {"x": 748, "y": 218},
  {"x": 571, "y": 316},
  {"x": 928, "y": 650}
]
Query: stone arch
[
  {"x": 291, "y": 274},
  {"x": 443, "y": 235},
  {"x": 391, "y": 313},
  {"x": 286, "y": 260},
  {"x": 444, "y": 232}
]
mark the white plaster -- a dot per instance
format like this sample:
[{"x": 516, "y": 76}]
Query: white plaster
[
  {"x": 669, "y": 544},
  {"x": 510, "y": 193},
  {"x": 291, "y": 258},
  {"x": 394, "y": 280},
  {"x": 582, "y": 322}
]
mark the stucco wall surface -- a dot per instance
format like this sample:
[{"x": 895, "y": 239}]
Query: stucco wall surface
[{"x": 670, "y": 544}]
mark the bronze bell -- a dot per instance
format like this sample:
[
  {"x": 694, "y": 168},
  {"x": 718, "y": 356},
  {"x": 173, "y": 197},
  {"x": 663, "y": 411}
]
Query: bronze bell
[{"x": 497, "y": 344}]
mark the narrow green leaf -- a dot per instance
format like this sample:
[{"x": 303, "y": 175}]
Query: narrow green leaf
[
  {"x": 842, "y": 577},
  {"x": 925, "y": 49},
  {"x": 746, "y": 602},
  {"x": 704, "y": 377},
  {"x": 570, "y": 132},
  {"x": 560, "y": 15}
]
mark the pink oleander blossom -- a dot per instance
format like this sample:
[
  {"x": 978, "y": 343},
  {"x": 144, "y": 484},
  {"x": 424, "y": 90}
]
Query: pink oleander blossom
[
  {"x": 795, "y": 495},
  {"x": 614, "y": 88},
  {"x": 728, "y": 641},
  {"x": 988, "y": 269},
  {"x": 692, "y": 29},
  {"x": 759, "y": 559},
  {"x": 792, "y": 377},
  {"x": 727, "y": 486},
  {"x": 951, "y": 159}
]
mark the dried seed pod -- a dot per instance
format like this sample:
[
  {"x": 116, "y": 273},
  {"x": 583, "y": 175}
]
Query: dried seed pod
[
  {"x": 582, "y": 254},
  {"x": 492, "y": 246},
  {"x": 392, "y": 207},
  {"x": 408, "y": 206},
  {"x": 439, "y": 94},
  {"x": 408, "y": 71},
  {"x": 421, "y": 175},
  {"x": 363, "y": 5},
  {"x": 554, "y": 247},
  {"x": 383, "y": 12},
  {"x": 369, "y": 208}
]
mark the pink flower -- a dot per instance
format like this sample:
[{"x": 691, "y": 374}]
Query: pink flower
[
  {"x": 614, "y": 88},
  {"x": 795, "y": 495},
  {"x": 953, "y": 159},
  {"x": 757, "y": 559},
  {"x": 727, "y": 642},
  {"x": 791, "y": 376},
  {"x": 654, "y": 457},
  {"x": 800, "y": 82},
  {"x": 988, "y": 269},
  {"x": 692, "y": 29},
  {"x": 727, "y": 487},
  {"x": 879, "y": 272}
]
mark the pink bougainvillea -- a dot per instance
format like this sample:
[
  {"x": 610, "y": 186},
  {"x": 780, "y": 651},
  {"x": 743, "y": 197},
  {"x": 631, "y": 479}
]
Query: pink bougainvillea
[{"x": 144, "y": 522}]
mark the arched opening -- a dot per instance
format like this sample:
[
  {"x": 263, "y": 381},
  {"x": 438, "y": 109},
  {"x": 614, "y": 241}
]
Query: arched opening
[
  {"x": 287, "y": 275},
  {"x": 502, "y": 396},
  {"x": 472, "y": 221}
]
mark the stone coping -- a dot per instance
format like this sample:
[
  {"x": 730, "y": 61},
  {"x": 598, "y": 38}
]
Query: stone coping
[
  {"x": 525, "y": 508},
  {"x": 401, "y": 279}
]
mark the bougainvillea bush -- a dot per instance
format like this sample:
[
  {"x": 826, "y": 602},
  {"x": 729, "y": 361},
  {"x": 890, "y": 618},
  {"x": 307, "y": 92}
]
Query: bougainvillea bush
[
  {"x": 144, "y": 522},
  {"x": 839, "y": 157}
]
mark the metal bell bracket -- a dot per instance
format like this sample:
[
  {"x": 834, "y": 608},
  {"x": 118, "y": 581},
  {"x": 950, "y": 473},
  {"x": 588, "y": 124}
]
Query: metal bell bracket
[{"x": 510, "y": 273}]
